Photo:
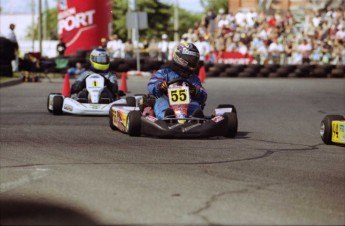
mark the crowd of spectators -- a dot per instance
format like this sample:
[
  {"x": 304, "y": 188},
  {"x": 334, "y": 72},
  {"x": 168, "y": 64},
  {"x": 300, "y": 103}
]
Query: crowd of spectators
[
  {"x": 278, "y": 38},
  {"x": 270, "y": 39}
]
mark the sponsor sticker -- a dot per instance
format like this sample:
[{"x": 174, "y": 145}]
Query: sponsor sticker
[
  {"x": 151, "y": 118},
  {"x": 68, "y": 107},
  {"x": 190, "y": 127},
  {"x": 191, "y": 53},
  {"x": 221, "y": 111},
  {"x": 217, "y": 118}
]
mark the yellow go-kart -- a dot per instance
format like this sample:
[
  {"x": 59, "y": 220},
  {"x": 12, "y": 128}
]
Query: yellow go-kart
[{"x": 332, "y": 129}]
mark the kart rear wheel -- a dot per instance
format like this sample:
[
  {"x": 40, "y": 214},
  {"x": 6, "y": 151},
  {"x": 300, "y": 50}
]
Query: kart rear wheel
[
  {"x": 48, "y": 100},
  {"x": 50, "y": 111},
  {"x": 134, "y": 123},
  {"x": 57, "y": 105},
  {"x": 131, "y": 101},
  {"x": 326, "y": 127},
  {"x": 228, "y": 106},
  {"x": 111, "y": 119},
  {"x": 232, "y": 124}
]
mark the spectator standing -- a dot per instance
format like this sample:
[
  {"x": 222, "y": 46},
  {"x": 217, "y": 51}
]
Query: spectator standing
[
  {"x": 115, "y": 47},
  {"x": 304, "y": 49},
  {"x": 204, "y": 49},
  {"x": 13, "y": 38},
  {"x": 316, "y": 54},
  {"x": 209, "y": 19},
  {"x": 340, "y": 35},
  {"x": 61, "y": 47},
  {"x": 164, "y": 47},
  {"x": 129, "y": 49},
  {"x": 288, "y": 52},
  {"x": 274, "y": 50},
  {"x": 153, "y": 49},
  {"x": 7, "y": 54},
  {"x": 104, "y": 43},
  {"x": 78, "y": 69}
]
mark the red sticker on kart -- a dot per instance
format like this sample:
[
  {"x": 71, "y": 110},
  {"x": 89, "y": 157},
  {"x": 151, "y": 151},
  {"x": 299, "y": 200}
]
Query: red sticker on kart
[
  {"x": 151, "y": 118},
  {"x": 217, "y": 118}
]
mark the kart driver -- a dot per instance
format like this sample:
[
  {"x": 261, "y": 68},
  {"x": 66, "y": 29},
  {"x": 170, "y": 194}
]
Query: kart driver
[
  {"x": 99, "y": 59},
  {"x": 184, "y": 65}
]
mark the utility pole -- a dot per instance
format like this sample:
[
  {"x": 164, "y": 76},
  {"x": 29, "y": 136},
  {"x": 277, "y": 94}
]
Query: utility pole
[
  {"x": 135, "y": 34},
  {"x": 176, "y": 22},
  {"x": 33, "y": 22},
  {"x": 40, "y": 25}
]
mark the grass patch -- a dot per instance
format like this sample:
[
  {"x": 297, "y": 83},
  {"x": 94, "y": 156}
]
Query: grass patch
[{"x": 15, "y": 76}]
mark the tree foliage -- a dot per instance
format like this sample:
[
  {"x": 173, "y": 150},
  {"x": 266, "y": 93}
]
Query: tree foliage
[
  {"x": 51, "y": 23},
  {"x": 215, "y": 4},
  {"x": 160, "y": 18}
]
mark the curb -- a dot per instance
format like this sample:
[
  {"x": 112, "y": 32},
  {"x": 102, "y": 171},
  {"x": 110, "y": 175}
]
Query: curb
[{"x": 11, "y": 82}]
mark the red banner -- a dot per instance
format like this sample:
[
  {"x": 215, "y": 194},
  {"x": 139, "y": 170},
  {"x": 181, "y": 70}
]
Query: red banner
[
  {"x": 230, "y": 58},
  {"x": 82, "y": 24}
]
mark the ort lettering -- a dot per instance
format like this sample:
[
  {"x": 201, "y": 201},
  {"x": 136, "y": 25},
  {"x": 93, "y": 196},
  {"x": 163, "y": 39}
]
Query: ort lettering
[{"x": 76, "y": 21}]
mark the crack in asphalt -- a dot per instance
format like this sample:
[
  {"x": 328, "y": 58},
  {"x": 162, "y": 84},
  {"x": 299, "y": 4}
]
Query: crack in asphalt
[
  {"x": 268, "y": 152},
  {"x": 214, "y": 198}
]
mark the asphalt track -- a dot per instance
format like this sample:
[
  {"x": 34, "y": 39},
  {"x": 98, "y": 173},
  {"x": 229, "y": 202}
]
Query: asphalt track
[{"x": 70, "y": 170}]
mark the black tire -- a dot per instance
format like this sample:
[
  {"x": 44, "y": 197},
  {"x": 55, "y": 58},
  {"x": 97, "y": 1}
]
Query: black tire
[
  {"x": 232, "y": 124},
  {"x": 57, "y": 105},
  {"x": 131, "y": 101},
  {"x": 134, "y": 123},
  {"x": 50, "y": 111},
  {"x": 326, "y": 127},
  {"x": 111, "y": 117},
  {"x": 227, "y": 106}
]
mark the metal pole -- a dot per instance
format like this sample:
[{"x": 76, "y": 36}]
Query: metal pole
[
  {"x": 40, "y": 25},
  {"x": 33, "y": 23},
  {"x": 176, "y": 22},
  {"x": 45, "y": 25},
  {"x": 135, "y": 37}
]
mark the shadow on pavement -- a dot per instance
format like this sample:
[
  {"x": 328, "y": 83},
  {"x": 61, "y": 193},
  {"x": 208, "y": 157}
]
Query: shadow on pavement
[{"x": 14, "y": 212}]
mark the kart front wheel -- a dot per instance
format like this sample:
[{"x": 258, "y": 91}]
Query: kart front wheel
[
  {"x": 57, "y": 105},
  {"x": 326, "y": 127},
  {"x": 131, "y": 101},
  {"x": 111, "y": 119},
  {"x": 232, "y": 124},
  {"x": 48, "y": 100},
  {"x": 134, "y": 123},
  {"x": 228, "y": 106}
]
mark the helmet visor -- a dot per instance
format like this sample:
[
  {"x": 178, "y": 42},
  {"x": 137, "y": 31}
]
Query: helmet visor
[{"x": 100, "y": 59}]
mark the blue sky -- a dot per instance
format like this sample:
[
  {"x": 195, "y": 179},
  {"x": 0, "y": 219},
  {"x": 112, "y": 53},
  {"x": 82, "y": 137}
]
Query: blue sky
[{"x": 24, "y": 6}]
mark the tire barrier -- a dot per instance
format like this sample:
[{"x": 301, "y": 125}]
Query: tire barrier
[
  {"x": 275, "y": 71},
  {"x": 215, "y": 70}
]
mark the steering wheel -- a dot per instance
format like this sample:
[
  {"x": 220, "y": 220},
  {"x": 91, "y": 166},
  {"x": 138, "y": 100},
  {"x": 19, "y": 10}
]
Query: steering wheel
[{"x": 180, "y": 80}]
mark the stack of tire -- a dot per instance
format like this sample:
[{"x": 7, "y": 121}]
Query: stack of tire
[
  {"x": 268, "y": 70},
  {"x": 337, "y": 72},
  {"x": 250, "y": 70},
  {"x": 321, "y": 71},
  {"x": 124, "y": 65},
  {"x": 6, "y": 56}
]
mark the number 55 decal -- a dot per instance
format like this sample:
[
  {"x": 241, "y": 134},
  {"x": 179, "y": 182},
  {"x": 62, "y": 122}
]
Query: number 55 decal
[{"x": 179, "y": 95}]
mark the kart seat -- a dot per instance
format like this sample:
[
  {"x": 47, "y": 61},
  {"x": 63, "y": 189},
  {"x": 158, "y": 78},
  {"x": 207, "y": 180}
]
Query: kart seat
[
  {"x": 148, "y": 101},
  {"x": 105, "y": 97},
  {"x": 82, "y": 96}
]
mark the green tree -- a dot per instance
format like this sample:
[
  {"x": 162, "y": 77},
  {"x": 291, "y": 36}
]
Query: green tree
[
  {"x": 32, "y": 31},
  {"x": 215, "y": 4},
  {"x": 160, "y": 19}
]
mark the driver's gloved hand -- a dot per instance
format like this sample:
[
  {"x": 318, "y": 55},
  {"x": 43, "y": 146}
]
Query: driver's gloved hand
[
  {"x": 163, "y": 87},
  {"x": 193, "y": 91}
]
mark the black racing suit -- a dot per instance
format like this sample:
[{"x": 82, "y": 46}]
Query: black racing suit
[{"x": 110, "y": 82}]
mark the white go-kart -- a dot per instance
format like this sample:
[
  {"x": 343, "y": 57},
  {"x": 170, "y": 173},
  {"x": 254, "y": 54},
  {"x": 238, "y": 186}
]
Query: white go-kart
[{"x": 93, "y": 103}]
